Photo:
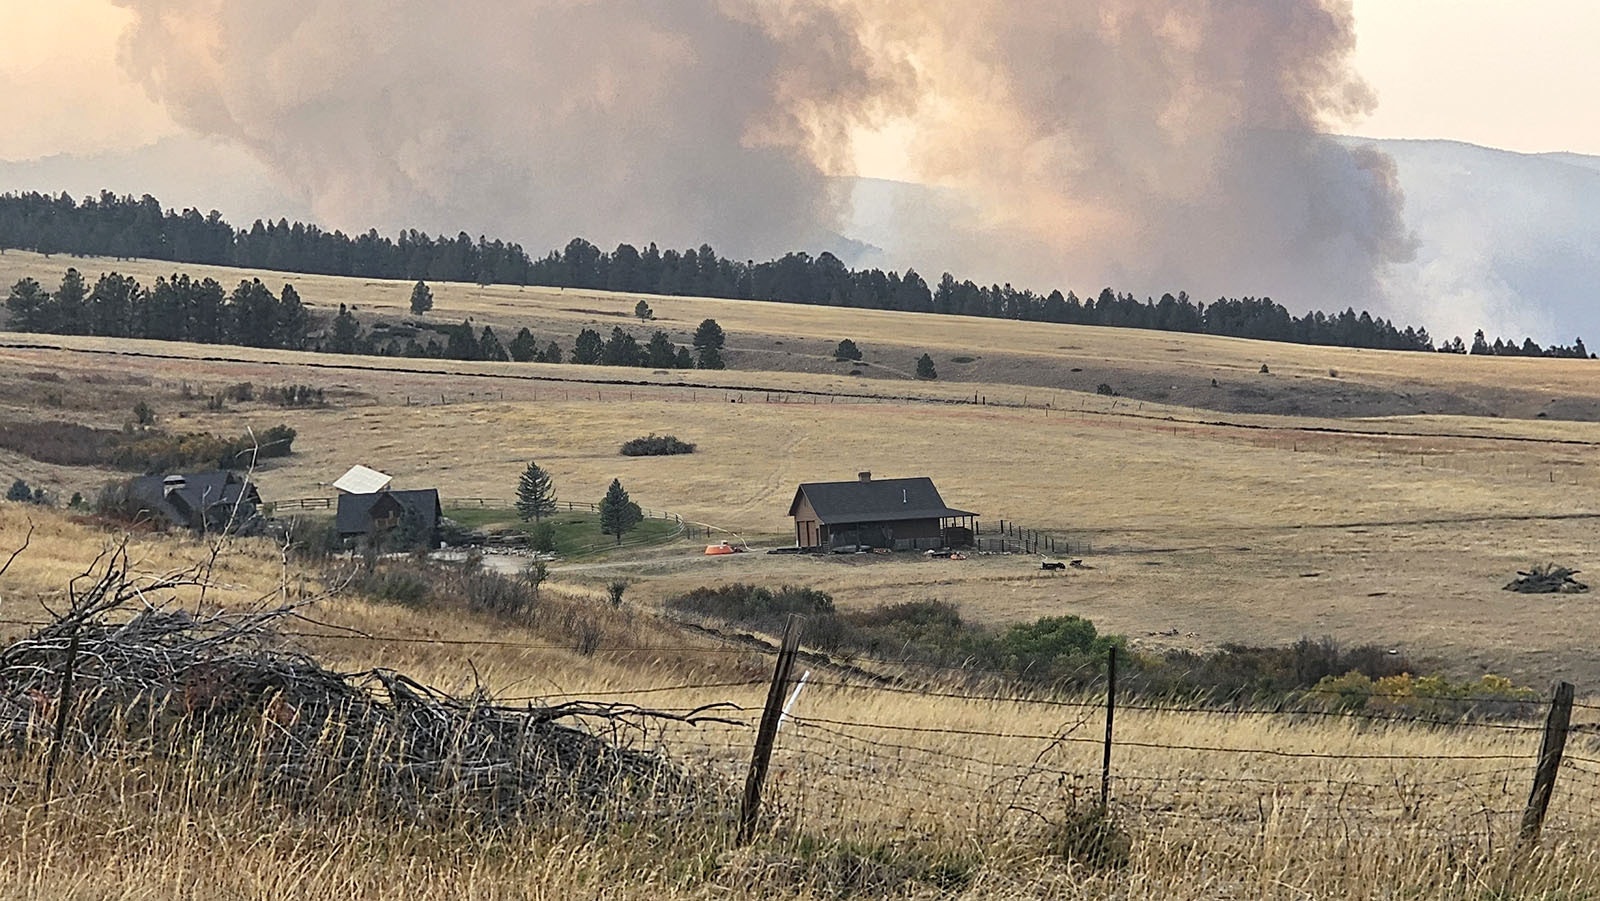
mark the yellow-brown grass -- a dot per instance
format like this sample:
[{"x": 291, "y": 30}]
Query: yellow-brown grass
[{"x": 872, "y": 790}]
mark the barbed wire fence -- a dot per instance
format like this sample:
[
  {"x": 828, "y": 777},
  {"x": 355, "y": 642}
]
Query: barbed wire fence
[{"x": 938, "y": 760}]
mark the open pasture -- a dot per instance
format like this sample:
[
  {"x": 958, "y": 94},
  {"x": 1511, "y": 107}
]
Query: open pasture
[{"x": 1205, "y": 528}]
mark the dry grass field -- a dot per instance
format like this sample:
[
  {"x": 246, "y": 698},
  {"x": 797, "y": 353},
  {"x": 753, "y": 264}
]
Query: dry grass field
[{"x": 1260, "y": 511}]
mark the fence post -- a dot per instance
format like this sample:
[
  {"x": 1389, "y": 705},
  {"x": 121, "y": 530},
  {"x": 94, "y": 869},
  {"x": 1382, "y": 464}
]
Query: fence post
[
  {"x": 61, "y": 718},
  {"x": 1544, "y": 776},
  {"x": 1111, "y": 714},
  {"x": 750, "y": 807}
]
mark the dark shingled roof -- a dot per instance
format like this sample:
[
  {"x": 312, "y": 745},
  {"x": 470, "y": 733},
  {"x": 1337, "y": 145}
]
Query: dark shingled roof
[
  {"x": 879, "y": 500},
  {"x": 201, "y": 491},
  {"x": 354, "y": 516}
]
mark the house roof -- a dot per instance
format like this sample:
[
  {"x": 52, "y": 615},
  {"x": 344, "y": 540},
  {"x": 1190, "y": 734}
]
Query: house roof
[
  {"x": 354, "y": 516},
  {"x": 200, "y": 491},
  {"x": 362, "y": 480},
  {"x": 878, "y": 500}
]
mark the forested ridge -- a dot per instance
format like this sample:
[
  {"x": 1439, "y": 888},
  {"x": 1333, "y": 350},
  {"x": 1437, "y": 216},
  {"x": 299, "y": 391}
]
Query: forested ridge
[{"x": 125, "y": 227}]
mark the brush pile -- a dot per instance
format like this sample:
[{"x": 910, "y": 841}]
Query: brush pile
[
  {"x": 228, "y": 692},
  {"x": 1547, "y": 579}
]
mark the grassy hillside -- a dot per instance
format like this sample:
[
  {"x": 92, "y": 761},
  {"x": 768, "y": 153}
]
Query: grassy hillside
[
  {"x": 1258, "y": 511},
  {"x": 935, "y": 790}
]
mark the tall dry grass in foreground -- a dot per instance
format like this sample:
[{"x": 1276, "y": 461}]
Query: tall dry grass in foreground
[{"x": 949, "y": 788}]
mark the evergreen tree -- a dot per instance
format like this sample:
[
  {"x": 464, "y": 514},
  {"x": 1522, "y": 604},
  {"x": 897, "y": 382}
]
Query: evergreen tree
[
  {"x": 708, "y": 341},
  {"x": 659, "y": 352},
  {"x": 536, "y": 495},
  {"x": 621, "y": 350},
  {"x": 685, "y": 358},
  {"x": 551, "y": 353},
  {"x": 523, "y": 348},
  {"x": 30, "y": 307},
  {"x": 421, "y": 298},
  {"x": 460, "y": 344},
  {"x": 925, "y": 368},
  {"x": 643, "y": 311},
  {"x": 254, "y": 314},
  {"x": 618, "y": 514},
  {"x": 345, "y": 334},
  {"x": 489, "y": 347},
  {"x": 71, "y": 300},
  {"x": 293, "y": 321},
  {"x": 588, "y": 348},
  {"x": 847, "y": 350}
]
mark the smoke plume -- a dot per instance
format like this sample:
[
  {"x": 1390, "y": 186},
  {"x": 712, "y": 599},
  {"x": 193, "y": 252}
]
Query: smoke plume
[{"x": 1147, "y": 144}]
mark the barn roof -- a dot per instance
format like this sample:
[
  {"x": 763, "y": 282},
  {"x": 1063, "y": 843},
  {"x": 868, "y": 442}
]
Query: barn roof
[
  {"x": 354, "y": 516},
  {"x": 362, "y": 480},
  {"x": 876, "y": 500}
]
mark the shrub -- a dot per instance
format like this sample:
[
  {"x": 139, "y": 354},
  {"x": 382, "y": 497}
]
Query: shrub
[
  {"x": 1106, "y": 390},
  {"x": 294, "y": 396},
  {"x": 963, "y": 358},
  {"x": 542, "y": 537},
  {"x": 753, "y": 604},
  {"x": 144, "y": 414},
  {"x": 615, "y": 590},
  {"x": 847, "y": 351},
  {"x": 654, "y": 445}
]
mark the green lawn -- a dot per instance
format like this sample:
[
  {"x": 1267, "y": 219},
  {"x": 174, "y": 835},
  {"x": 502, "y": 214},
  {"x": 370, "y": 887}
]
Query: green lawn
[{"x": 577, "y": 533}]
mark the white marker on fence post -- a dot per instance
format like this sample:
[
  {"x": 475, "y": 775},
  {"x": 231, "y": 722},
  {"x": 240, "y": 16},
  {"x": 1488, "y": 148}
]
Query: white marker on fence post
[{"x": 793, "y": 696}]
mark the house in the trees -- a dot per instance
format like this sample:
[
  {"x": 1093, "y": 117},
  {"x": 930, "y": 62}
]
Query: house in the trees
[
  {"x": 204, "y": 501},
  {"x": 899, "y": 514},
  {"x": 395, "y": 519}
]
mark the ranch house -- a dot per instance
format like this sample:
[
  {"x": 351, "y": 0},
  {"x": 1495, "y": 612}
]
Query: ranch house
[
  {"x": 203, "y": 501},
  {"x": 898, "y": 514},
  {"x": 378, "y": 513}
]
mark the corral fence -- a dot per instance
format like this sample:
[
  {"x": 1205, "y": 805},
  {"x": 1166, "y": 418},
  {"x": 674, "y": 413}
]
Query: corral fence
[{"x": 1008, "y": 537}]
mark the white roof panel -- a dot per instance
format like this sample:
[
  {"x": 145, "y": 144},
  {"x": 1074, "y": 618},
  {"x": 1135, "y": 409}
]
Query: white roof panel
[{"x": 361, "y": 480}]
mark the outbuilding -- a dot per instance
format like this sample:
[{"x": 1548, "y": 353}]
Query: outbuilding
[{"x": 897, "y": 514}]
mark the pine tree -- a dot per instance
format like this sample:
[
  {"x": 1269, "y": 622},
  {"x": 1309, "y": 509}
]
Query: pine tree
[
  {"x": 345, "y": 334},
  {"x": 925, "y": 368},
  {"x": 29, "y": 306},
  {"x": 643, "y": 311},
  {"x": 523, "y": 348},
  {"x": 551, "y": 353},
  {"x": 489, "y": 347},
  {"x": 618, "y": 514},
  {"x": 847, "y": 351},
  {"x": 708, "y": 341},
  {"x": 421, "y": 298},
  {"x": 621, "y": 350},
  {"x": 588, "y": 348},
  {"x": 659, "y": 353},
  {"x": 536, "y": 495}
]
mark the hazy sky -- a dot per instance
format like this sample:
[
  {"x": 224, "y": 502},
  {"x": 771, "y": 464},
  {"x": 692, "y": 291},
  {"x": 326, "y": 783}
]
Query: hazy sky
[{"x": 1502, "y": 73}]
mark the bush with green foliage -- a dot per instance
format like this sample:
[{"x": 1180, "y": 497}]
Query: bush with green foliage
[
  {"x": 925, "y": 368},
  {"x": 847, "y": 351},
  {"x": 542, "y": 537},
  {"x": 654, "y": 445}
]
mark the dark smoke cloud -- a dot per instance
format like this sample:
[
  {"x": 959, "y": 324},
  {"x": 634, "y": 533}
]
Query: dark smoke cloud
[
  {"x": 1142, "y": 143},
  {"x": 680, "y": 122}
]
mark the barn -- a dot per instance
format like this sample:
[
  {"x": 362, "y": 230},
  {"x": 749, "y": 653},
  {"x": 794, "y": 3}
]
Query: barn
[{"x": 899, "y": 514}]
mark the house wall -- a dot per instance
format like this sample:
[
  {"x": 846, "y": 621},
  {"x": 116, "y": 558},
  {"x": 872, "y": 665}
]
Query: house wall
[{"x": 808, "y": 530}]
